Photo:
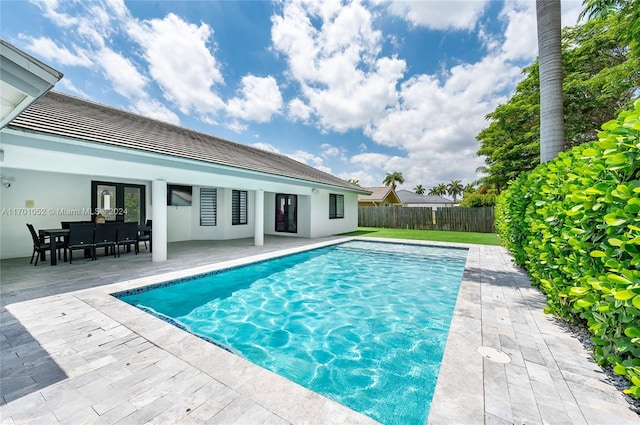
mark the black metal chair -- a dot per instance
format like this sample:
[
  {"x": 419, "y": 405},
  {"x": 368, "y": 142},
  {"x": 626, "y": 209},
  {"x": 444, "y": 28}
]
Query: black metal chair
[
  {"x": 144, "y": 236},
  {"x": 105, "y": 237},
  {"x": 38, "y": 247},
  {"x": 127, "y": 236},
  {"x": 81, "y": 237}
]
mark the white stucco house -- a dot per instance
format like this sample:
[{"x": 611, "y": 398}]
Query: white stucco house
[{"x": 68, "y": 159}]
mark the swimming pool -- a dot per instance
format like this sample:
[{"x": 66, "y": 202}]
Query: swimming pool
[{"x": 363, "y": 323}]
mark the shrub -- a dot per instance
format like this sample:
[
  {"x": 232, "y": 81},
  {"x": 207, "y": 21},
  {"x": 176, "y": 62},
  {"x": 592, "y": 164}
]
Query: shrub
[
  {"x": 573, "y": 223},
  {"x": 478, "y": 200}
]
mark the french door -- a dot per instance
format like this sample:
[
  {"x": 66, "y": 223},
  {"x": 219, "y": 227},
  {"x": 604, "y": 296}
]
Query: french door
[
  {"x": 118, "y": 201},
  {"x": 286, "y": 213}
]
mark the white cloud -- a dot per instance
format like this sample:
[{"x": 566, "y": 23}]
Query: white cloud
[
  {"x": 265, "y": 147},
  {"x": 181, "y": 63},
  {"x": 68, "y": 86},
  {"x": 344, "y": 84},
  {"x": 521, "y": 40},
  {"x": 153, "y": 109},
  {"x": 436, "y": 122},
  {"x": 521, "y": 36},
  {"x": 49, "y": 50},
  {"x": 174, "y": 55},
  {"x": 298, "y": 110},
  {"x": 122, "y": 73},
  {"x": 571, "y": 10},
  {"x": 233, "y": 125},
  {"x": 117, "y": 8},
  {"x": 304, "y": 157},
  {"x": 367, "y": 160},
  {"x": 92, "y": 25},
  {"x": 259, "y": 99},
  {"x": 308, "y": 158},
  {"x": 441, "y": 14},
  {"x": 49, "y": 9},
  {"x": 331, "y": 151},
  {"x": 364, "y": 179}
]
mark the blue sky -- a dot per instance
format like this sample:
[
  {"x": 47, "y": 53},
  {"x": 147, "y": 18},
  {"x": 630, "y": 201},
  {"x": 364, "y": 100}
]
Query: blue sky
[{"x": 357, "y": 89}]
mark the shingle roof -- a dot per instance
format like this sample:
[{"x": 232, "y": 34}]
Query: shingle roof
[
  {"x": 378, "y": 194},
  {"x": 408, "y": 197},
  {"x": 63, "y": 115}
]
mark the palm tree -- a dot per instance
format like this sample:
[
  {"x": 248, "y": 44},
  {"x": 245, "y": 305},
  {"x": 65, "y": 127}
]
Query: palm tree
[
  {"x": 600, "y": 8},
  {"x": 419, "y": 189},
  {"x": 354, "y": 181},
  {"x": 392, "y": 179},
  {"x": 550, "y": 66},
  {"x": 454, "y": 189},
  {"x": 468, "y": 189},
  {"x": 439, "y": 190}
]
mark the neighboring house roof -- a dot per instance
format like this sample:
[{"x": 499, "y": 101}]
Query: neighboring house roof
[
  {"x": 408, "y": 197},
  {"x": 382, "y": 195},
  {"x": 68, "y": 116}
]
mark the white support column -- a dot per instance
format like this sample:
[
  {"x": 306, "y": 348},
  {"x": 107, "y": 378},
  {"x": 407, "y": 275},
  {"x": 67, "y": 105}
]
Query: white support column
[
  {"x": 159, "y": 217},
  {"x": 258, "y": 238}
]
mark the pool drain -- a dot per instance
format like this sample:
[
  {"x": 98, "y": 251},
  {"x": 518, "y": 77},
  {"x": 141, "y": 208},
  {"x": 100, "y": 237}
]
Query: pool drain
[{"x": 494, "y": 355}]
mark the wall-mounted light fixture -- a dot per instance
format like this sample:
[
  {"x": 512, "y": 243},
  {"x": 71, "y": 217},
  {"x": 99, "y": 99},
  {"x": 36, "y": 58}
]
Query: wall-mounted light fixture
[
  {"x": 6, "y": 181},
  {"x": 315, "y": 191}
]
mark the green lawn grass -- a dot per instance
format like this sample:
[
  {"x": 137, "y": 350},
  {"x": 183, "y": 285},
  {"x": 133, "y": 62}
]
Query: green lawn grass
[{"x": 428, "y": 235}]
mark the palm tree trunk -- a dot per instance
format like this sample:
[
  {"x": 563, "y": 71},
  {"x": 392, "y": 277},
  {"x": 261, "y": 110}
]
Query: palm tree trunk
[{"x": 550, "y": 60}]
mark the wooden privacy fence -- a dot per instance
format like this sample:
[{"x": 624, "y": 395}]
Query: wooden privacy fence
[{"x": 457, "y": 219}]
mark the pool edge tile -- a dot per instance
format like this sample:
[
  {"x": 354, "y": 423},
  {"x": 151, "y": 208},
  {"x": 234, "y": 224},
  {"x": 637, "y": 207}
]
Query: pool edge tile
[{"x": 458, "y": 396}]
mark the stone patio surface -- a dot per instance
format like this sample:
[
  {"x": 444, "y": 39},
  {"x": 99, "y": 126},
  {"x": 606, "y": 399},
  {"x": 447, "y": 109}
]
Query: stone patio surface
[{"x": 73, "y": 354}]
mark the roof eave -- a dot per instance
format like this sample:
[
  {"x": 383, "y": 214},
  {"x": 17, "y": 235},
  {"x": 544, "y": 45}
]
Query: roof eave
[{"x": 24, "y": 79}]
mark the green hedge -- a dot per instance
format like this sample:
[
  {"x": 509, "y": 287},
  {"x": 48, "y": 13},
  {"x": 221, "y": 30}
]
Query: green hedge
[
  {"x": 479, "y": 200},
  {"x": 574, "y": 224}
]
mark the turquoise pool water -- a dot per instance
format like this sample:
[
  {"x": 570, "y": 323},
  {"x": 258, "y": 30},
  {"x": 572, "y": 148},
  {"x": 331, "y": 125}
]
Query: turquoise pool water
[{"x": 363, "y": 323}]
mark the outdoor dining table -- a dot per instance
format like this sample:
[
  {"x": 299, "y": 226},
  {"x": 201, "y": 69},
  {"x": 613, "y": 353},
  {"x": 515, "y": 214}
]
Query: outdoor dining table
[{"x": 53, "y": 237}]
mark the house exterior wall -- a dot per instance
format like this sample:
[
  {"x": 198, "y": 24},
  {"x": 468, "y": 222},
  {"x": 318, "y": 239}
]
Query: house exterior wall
[
  {"x": 322, "y": 224},
  {"x": 179, "y": 223},
  {"x": 56, "y": 174},
  {"x": 43, "y": 199},
  {"x": 303, "y": 220}
]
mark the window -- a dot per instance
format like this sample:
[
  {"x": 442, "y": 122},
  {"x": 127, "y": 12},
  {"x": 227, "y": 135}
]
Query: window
[
  {"x": 239, "y": 207},
  {"x": 208, "y": 207},
  {"x": 178, "y": 196},
  {"x": 336, "y": 206}
]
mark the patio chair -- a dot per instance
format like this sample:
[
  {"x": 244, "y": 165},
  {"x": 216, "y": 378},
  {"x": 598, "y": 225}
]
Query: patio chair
[
  {"x": 38, "y": 247},
  {"x": 105, "y": 237},
  {"x": 81, "y": 237},
  {"x": 127, "y": 236},
  {"x": 144, "y": 236}
]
